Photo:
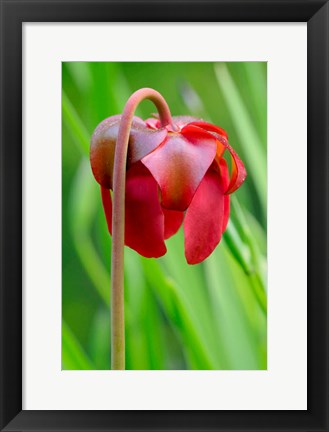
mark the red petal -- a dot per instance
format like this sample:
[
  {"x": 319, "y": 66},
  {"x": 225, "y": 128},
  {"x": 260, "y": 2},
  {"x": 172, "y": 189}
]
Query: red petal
[
  {"x": 238, "y": 170},
  {"x": 204, "y": 219},
  {"x": 102, "y": 149},
  {"x": 179, "y": 164},
  {"x": 107, "y": 205},
  {"x": 225, "y": 179},
  {"x": 144, "y": 220},
  {"x": 220, "y": 146},
  {"x": 211, "y": 128},
  {"x": 180, "y": 121},
  {"x": 226, "y": 212},
  {"x": 144, "y": 231},
  {"x": 141, "y": 142},
  {"x": 172, "y": 222}
]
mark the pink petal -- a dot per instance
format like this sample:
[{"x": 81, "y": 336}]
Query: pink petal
[
  {"x": 179, "y": 164},
  {"x": 204, "y": 219},
  {"x": 153, "y": 123}
]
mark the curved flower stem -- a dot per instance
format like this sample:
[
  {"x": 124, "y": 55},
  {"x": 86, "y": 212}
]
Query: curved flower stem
[{"x": 118, "y": 220}]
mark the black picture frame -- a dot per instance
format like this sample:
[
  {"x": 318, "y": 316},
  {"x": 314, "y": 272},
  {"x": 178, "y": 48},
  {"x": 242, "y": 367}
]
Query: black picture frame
[{"x": 13, "y": 14}]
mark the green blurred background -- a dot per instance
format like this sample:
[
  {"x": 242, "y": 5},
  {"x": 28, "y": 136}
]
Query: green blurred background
[{"x": 208, "y": 316}]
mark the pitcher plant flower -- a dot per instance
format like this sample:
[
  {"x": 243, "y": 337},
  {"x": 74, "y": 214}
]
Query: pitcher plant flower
[
  {"x": 157, "y": 175},
  {"x": 176, "y": 175}
]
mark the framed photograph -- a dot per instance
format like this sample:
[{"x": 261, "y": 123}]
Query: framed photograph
[{"x": 164, "y": 186}]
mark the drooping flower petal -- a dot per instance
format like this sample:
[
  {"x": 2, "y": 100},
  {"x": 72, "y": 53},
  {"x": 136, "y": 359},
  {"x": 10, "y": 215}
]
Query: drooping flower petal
[
  {"x": 144, "y": 230},
  {"x": 144, "y": 219},
  {"x": 102, "y": 147},
  {"x": 225, "y": 179},
  {"x": 238, "y": 170},
  {"x": 179, "y": 164},
  {"x": 204, "y": 219},
  {"x": 178, "y": 122},
  {"x": 107, "y": 206},
  {"x": 172, "y": 221},
  {"x": 210, "y": 127},
  {"x": 141, "y": 142},
  {"x": 220, "y": 147}
]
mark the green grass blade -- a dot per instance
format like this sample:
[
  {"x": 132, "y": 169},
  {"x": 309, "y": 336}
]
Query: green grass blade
[
  {"x": 73, "y": 355},
  {"x": 235, "y": 308},
  {"x": 185, "y": 318},
  {"x": 256, "y": 277},
  {"x": 253, "y": 151},
  {"x": 257, "y": 85},
  {"x": 74, "y": 124},
  {"x": 99, "y": 340},
  {"x": 84, "y": 201}
]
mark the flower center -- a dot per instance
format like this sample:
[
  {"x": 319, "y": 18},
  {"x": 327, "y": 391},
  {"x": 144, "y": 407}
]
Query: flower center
[{"x": 174, "y": 128}]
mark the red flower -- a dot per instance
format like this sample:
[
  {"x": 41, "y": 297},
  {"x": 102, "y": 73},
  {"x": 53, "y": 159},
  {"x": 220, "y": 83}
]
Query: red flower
[{"x": 174, "y": 174}]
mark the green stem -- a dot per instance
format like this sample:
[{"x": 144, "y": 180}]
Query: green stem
[{"x": 118, "y": 220}]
